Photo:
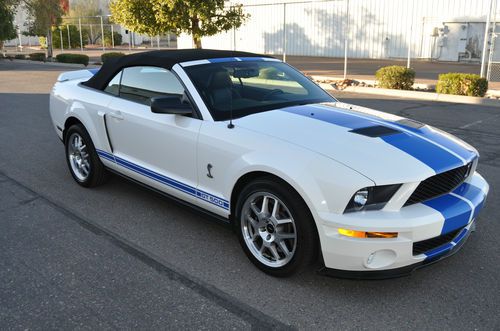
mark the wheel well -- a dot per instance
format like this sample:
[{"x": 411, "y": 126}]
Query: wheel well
[
  {"x": 69, "y": 122},
  {"x": 248, "y": 178},
  {"x": 251, "y": 176}
]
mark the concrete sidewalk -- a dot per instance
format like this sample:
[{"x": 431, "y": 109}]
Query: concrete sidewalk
[{"x": 427, "y": 72}]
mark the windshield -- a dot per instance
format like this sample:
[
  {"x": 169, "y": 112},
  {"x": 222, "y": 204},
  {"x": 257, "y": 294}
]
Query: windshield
[{"x": 249, "y": 87}]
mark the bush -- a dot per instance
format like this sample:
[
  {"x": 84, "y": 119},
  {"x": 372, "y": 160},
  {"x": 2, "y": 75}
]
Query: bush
[
  {"x": 116, "y": 36},
  {"x": 109, "y": 55},
  {"x": 20, "y": 56},
  {"x": 73, "y": 58},
  {"x": 37, "y": 57},
  {"x": 395, "y": 77},
  {"x": 74, "y": 37},
  {"x": 462, "y": 84}
]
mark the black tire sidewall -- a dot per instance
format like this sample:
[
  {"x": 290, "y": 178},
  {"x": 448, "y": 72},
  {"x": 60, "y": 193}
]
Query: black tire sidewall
[
  {"x": 95, "y": 163},
  {"x": 307, "y": 241}
]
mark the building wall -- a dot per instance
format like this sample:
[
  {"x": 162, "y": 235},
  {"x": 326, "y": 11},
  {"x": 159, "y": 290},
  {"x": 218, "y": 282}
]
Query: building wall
[{"x": 441, "y": 29}]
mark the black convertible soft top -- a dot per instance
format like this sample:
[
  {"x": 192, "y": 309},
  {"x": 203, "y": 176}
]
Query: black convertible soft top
[{"x": 164, "y": 59}]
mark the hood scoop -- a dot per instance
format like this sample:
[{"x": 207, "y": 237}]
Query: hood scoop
[{"x": 375, "y": 131}]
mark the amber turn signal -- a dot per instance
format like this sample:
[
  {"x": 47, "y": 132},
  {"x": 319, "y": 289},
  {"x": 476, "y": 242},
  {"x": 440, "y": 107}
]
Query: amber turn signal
[{"x": 363, "y": 234}]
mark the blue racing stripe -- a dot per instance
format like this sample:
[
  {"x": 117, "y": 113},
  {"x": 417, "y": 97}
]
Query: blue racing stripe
[
  {"x": 426, "y": 152},
  {"x": 238, "y": 59},
  {"x": 439, "y": 251},
  {"x": 473, "y": 194},
  {"x": 455, "y": 211},
  {"x": 440, "y": 139},
  {"x": 432, "y": 155},
  {"x": 460, "y": 236},
  {"x": 185, "y": 188}
]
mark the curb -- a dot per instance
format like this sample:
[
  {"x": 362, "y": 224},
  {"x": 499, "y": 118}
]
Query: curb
[{"x": 430, "y": 96}]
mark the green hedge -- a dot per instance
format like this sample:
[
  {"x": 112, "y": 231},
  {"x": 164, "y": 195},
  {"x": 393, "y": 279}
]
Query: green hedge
[
  {"x": 395, "y": 77},
  {"x": 20, "y": 56},
  {"x": 73, "y": 58},
  {"x": 109, "y": 55},
  {"x": 462, "y": 84},
  {"x": 37, "y": 57}
]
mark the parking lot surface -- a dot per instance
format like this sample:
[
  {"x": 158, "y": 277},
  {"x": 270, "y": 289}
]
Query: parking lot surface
[{"x": 120, "y": 256}]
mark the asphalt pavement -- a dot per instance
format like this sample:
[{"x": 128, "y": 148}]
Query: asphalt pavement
[{"x": 122, "y": 257}]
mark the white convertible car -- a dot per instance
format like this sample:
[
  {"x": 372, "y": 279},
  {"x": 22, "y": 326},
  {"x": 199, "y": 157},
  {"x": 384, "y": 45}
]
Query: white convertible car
[{"x": 252, "y": 141}]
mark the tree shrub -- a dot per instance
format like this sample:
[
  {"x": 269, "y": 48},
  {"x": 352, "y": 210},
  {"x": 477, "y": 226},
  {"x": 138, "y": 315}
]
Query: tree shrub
[
  {"x": 116, "y": 36},
  {"x": 462, "y": 84},
  {"x": 109, "y": 55},
  {"x": 74, "y": 37},
  {"x": 73, "y": 58},
  {"x": 395, "y": 77},
  {"x": 20, "y": 56},
  {"x": 37, "y": 57}
]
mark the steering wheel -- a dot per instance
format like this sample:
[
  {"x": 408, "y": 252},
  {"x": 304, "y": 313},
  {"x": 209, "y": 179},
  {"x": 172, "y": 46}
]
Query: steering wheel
[{"x": 272, "y": 92}]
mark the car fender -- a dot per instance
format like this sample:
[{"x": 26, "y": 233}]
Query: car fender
[{"x": 324, "y": 185}]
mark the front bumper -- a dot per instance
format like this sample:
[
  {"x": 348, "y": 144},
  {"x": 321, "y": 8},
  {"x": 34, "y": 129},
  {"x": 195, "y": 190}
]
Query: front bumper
[{"x": 392, "y": 257}]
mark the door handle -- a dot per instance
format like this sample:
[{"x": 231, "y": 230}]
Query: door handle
[{"x": 116, "y": 114}]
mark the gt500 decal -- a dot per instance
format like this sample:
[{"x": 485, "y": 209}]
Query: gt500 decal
[
  {"x": 193, "y": 191},
  {"x": 212, "y": 199}
]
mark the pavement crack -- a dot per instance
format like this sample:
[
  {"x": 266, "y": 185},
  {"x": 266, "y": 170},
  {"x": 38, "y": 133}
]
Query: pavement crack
[{"x": 257, "y": 319}]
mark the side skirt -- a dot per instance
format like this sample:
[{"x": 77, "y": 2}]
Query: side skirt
[{"x": 212, "y": 216}]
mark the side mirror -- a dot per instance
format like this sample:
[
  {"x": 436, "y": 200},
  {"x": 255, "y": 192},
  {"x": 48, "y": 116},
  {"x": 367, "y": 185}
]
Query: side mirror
[{"x": 170, "y": 105}]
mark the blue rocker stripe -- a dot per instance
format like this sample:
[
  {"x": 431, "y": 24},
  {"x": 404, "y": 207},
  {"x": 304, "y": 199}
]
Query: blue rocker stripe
[
  {"x": 185, "y": 188},
  {"x": 434, "y": 156}
]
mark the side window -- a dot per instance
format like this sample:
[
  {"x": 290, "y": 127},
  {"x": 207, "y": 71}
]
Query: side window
[
  {"x": 114, "y": 85},
  {"x": 140, "y": 84}
]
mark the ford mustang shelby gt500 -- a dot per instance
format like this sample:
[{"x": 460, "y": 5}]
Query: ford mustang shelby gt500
[{"x": 249, "y": 139}]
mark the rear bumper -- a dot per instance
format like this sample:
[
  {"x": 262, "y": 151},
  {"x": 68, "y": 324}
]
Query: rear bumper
[{"x": 393, "y": 257}]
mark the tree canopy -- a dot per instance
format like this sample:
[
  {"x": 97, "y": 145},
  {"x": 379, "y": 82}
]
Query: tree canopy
[
  {"x": 45, "y": 14},
  {"x": 7, "y": 28},
  {"x": 196, "y": 17}
]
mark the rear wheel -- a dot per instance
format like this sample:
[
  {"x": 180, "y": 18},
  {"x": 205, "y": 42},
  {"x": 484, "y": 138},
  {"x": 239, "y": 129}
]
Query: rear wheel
[
  {"x": 83, "y": 162},
  {"x": 275, "y": 228}
]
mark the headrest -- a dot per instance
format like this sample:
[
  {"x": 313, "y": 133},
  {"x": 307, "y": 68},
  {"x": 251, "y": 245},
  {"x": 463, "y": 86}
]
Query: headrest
[{"x": 220, "y": 79}]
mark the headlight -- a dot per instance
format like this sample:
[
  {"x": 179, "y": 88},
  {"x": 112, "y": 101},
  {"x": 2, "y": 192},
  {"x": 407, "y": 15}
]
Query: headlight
[
  {"x": 360, "y": 199},
  {"x": 371, "y": 198}
]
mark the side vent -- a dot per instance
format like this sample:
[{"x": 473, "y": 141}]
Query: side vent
[{"x": 375, "y": 131}]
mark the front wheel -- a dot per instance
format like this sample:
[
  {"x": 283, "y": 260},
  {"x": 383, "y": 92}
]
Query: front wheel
[{"x": 275, "y": 228}]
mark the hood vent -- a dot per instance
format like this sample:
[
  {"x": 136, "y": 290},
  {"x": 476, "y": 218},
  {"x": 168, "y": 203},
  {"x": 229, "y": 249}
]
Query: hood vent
[{"x": 375, "y": 131}]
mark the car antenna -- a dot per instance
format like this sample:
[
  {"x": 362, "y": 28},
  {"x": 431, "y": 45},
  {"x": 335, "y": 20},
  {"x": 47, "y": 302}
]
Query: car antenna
[{"x": 231, "y": 125}]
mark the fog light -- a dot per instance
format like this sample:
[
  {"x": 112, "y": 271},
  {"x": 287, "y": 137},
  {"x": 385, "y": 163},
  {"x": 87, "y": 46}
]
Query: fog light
[{"x": 363, "y": 234}]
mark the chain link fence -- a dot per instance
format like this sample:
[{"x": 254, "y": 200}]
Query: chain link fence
[{"x": 354, "y": 38}]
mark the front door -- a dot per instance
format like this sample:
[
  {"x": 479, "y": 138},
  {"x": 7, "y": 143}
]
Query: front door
[{"x": 157, "y": 149}]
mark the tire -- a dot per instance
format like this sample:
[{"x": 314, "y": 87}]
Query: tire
[
  {"x": 291, "y": 225},
  {"x": 82, "y": 159}
]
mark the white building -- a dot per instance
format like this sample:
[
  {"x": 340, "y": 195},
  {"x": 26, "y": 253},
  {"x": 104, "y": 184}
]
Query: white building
[{"x": 445, "y": 30}]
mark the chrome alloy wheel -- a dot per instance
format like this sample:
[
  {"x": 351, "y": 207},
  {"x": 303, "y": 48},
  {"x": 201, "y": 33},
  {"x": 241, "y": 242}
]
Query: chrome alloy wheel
[
  {"x": 79, "y": 159},
  {"x": 268, "y": 229}
]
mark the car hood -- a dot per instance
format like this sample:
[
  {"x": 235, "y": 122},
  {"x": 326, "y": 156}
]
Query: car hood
[{"x": 383, "y": 147}]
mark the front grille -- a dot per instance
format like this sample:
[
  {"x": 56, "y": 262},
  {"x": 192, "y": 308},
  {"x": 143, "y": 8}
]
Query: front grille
[
  {"x": 429, "y": 244},
  {"x": 439, "y": 184}
]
